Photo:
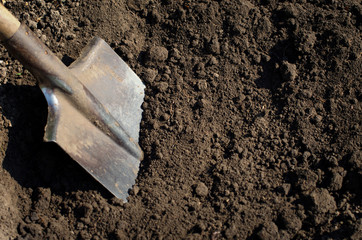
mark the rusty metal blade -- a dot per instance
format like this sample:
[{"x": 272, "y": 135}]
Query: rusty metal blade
[{"x": 113, "y": 83}]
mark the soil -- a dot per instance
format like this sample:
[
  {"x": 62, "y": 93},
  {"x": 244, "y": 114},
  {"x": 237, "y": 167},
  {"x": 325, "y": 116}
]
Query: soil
[{"x": 251, "y": 126}]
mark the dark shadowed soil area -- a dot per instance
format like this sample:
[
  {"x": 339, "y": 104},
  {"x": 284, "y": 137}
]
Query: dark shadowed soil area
[{"x": 251, "y": 123}]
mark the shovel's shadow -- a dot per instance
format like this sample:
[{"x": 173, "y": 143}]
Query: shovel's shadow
[{"x": 30, "y": 161}]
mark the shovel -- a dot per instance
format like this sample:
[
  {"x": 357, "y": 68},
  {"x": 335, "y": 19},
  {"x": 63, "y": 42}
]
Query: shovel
[{"x": 94, "y": 105}]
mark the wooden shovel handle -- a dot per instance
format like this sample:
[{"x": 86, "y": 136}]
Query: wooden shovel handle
[{"x": 8, "y": 24}]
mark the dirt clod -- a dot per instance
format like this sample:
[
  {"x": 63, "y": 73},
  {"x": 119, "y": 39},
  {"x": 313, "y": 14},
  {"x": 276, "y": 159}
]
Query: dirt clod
[
  {"x": 85, "y": 210},
  {"x": 268, "y": 232},
  {"x": 157, "y": 54},
  {"x": 306, "y": 179},
  {"x": 323, "y": 202},
  {"x": 291, "y": 221}
]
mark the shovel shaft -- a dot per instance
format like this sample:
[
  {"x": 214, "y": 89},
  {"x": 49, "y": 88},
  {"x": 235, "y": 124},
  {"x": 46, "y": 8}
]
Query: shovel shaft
[
  {"x": 40, "y": 60},
  {"x": 8, "y": 24}
]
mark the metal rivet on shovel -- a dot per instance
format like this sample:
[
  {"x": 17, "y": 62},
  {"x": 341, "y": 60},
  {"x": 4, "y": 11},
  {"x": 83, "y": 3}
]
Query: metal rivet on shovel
[{"x": 94, "y": 106}]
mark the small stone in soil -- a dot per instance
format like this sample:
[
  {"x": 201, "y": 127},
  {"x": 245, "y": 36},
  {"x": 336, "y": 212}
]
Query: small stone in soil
[
  {"x": 202, "y": 85},
  {"x": 158, "y": 54},
  {"x": 289, "y": 71},
  {"x": 34, "y": 216},
  {"x": 136, "y": 189},
  {"x": 149, "y": 75},
  {"x": 201, "y": 189},
  {"x": 214, "y": 46},
  {"x": 336, "y": 181},
  {"x": 162, "y": 86}
]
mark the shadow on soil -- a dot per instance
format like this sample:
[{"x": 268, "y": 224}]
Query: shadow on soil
[
  {"x": 30, "y": 161},
  {"x": 271, "y": 77}
]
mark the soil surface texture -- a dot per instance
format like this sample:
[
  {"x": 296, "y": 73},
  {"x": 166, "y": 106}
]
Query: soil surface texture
[{"x": 251, "y": 123}]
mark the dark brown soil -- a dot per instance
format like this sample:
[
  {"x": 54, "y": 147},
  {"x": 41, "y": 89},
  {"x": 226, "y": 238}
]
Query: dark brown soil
[{"x": 251, "y": 126}]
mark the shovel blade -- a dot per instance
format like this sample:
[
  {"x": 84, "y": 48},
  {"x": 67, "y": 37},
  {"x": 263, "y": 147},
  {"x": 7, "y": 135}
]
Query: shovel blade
[{"x": 109, "y": 79}]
